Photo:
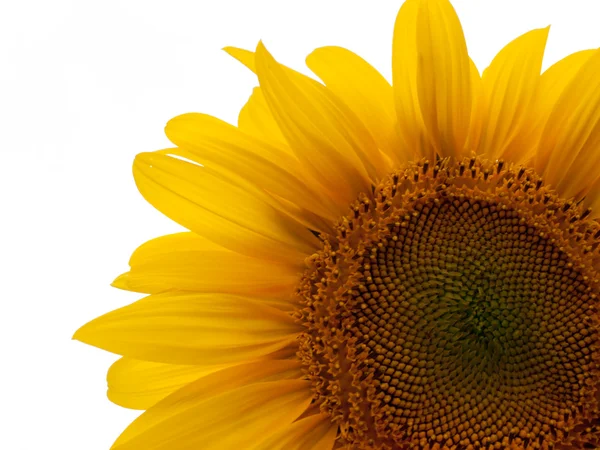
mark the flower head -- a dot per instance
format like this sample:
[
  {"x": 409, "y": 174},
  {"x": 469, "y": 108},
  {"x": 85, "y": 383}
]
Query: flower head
[{"x": 373, "y": 266}]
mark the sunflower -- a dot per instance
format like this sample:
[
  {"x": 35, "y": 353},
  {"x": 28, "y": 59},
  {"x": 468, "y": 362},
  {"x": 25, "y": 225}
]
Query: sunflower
[{"x": 372, "y": 266}]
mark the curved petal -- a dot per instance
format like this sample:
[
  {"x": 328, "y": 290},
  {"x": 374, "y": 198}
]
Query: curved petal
[
  {"x": 572, "y": 133},
  {"x": 477, "y": 108},
  {"x": 325, "y": 135},
  {"x": 510, "y": 89},
  {"x": 443, "y": 77},
  {"x": 246, "y": 57},
  {"x": 225, "y": 148},
  {"x": 191, "y": 328},
  {"x": 362, "y": 88},
  {"x": 188, "y": 262},
  {"x": 316, "y": 432},
  {"x": 404, "y": 76},
  {"x": 256, "y": 119},
  {"x": 203, "y": 201},
  {"x": 137, "y": 384},
  {"x": 232, "y": 419},
  {"x": 552, "y": 84}
]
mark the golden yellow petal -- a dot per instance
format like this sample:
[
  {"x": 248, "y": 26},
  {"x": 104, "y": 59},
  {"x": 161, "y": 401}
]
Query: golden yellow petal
[
  {"x": 246, "y": 57},
  {"x": 316, "y": 432},
  {"x": 362, "y": 88},
  {"x": 404, "y": 76},
  {"x": 188, "y": 262},
  {"x": 552, "y": 84},
  {"x": 572, "y": 133},
  {"x": 224, "y": 148},
  {"x": 255, "y": 118},
  {"x": 477, "y": 109},
  {"x": 443, "y": 77},
  {"x": 137, "y": 384},
  {"x": 332, "y": 144},
  {"x": 207, "y": 203},
  {"x": 233, "y": 419},
  {"x": 510, "y": 89},
  {"x": 191, "y": 328}
]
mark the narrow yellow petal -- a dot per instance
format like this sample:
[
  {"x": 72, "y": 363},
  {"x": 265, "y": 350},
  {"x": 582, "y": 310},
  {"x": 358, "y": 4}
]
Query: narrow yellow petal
[
  {"x": 316, "y": 432},
  {"x": 176, "y": 242},
  {"x": 191, "y": 328},
  {"x": 404, "y": 76},
  {"x": 137, "y": 384},
  {"x": 443, "y": 77},
  {"x": 233, "y": 419},
  {"x": 572, "y": 133},
  {"x": 207, "y": 203},
  {"x": 362, "y": 88},
  {"x": 256, "y": 119},
  {"x": 510, "y": 87},
  {"x": 477, "y": 109},
  {"x": 246, "y": 57},
  {"x": 188, "y": 262},
  {"x": 552, "y": 84},
  {"x": 324, "y": 134}
]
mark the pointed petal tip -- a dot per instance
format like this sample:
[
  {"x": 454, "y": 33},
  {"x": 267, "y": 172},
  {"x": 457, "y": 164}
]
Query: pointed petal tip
[
  {"x": 246, "y": 57},
  {"x": 121, "y": 282},
  {"x": 79, "y": 334}
]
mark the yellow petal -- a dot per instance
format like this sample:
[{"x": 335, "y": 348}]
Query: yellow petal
[
  {"x": 362, "y": 88},
  {"x": 188, "y": 262},
  {"x": 205, "y": 202},
  {"x": 246, "y": 57},
  {"x": 233, "y": 419},
  {"x": 510, "y": 87},
  {"x": 572, "y": 133},
  {"x": 404, "y": 76},
  {"x": 256, "y": 119},
  {"x": 316, "y": 432},
  {"x": 137, "y": 384},
  {"x": 226, "y": 149},
  {"x": 552, "y": 84},
  {"x": 477, "y": 109},
  {"x": 191, "y": 328},
  {"x": 325, "y": 135},
  {"x": 443, "y": 77}
]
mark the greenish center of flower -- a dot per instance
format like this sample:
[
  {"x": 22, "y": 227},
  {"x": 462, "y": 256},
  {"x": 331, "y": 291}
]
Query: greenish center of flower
[{"x": 454, "y": 312}]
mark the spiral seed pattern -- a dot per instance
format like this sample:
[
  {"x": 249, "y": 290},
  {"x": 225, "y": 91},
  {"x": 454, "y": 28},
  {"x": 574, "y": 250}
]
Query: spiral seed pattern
[{"x": 456, "y": 318}]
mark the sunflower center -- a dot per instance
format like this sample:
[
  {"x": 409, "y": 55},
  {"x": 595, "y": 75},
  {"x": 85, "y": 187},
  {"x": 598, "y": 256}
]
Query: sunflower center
[{"x": 456, "y": 308}]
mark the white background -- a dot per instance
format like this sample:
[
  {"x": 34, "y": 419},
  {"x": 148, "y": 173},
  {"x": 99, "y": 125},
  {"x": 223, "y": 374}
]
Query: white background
[{"x": 84, "y": 86}]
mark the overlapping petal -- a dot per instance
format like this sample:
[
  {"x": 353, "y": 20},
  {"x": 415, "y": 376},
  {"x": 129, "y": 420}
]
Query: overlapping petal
[
  {"x": 137, "y": 384},
  {"x": 572, "y": 133},
  {"x": 316, "y": 432},
  {"x": 220, "y": 416},
  {"x": 443, "y": 77},
  {"x": 255, "y": 118},
  {"x": 191, "y": 328},
  {"x": 208, "y": 203},
  {"x": 188, "y": 262},
  {"x": 510, "y": 90},
  {"x": 248, "y": 162},
  {"x": 362, "y": 88},
  {"x": 552, "y": 84},
  {"x": 325, "y": 135},
  {"x": 404, "y": 77}
]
